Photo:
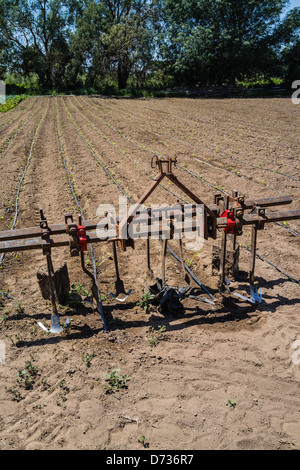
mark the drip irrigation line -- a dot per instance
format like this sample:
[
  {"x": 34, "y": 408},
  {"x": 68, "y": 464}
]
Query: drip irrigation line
[
  {"x": 291, "y": 278},
  {"x": 132, "y": 202},
  {"x": 2, "y": 150},
  {"x": 230, "y": 157},
  {"x": 194, "y": 174},
  {"x": 13, "y": 119},
  {"x": 196, "y": 280},
  {"x": 288, "y": 228},
  {"x": 83, "y": 219},
  {"x": 23, "y": 176},
  {"x": 126, "y": 156},
  {"x": 182, "y": 168}
]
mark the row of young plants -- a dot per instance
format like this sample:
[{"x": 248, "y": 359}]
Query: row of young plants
[{"x": 11, "y": 103}]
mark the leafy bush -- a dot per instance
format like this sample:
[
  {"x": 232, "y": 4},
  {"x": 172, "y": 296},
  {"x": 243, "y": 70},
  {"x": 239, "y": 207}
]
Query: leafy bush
[{"x": 11, "y": 103}]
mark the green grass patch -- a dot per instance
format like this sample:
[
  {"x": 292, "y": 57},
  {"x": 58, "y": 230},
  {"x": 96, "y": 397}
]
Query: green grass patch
[{"x": 11, "y": 103}]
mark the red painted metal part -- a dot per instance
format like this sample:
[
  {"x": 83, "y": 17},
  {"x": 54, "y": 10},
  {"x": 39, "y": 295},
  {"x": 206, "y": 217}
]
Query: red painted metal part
[
  {"x": 82, "y": 239},
  {"x": 229, "y": 215}
]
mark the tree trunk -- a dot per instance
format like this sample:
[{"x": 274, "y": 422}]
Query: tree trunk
[{"x": 123, "y": 71}]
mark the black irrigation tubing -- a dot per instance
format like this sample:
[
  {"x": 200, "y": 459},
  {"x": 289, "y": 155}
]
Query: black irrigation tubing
[
  {"x": 83, "y": 218},
  {"x": 161, "y": 156},
  {"x": 206, "y": 163},
  {"x": 278, "y": 269},
  {"x": 15, "y": 111},
  {"x": 233, "y": 158},
  {"x": 128, "y": 158},
  {"x": 11, "y": 138},
  {"x": 291, "y": 278},
  {"x": 194, "y": 119},
  {"x": 23, "y": 176},
  {"x": 191, "y": 173},
  {"x": 132, "y": 202}
]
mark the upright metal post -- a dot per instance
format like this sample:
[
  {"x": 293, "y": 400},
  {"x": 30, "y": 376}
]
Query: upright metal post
[
  {"x": 253, "y": 252},
  {"x": 223, "y": 252},
  {"x": 164, "y": 252}
]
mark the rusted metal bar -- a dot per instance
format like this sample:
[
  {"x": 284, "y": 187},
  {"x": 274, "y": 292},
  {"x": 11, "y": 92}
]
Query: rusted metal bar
[
  {"x": 10, "y": 246},
  {"x": 29, "y": 239},
  {"x": 253, "y": 252},
  {"x": 59, "y": 229},
  {"x": 270, "y": 217},
  {"x": 196, "y": 199},
  {"x": 268, "y": 202},
  {"x": 164, "y": 253},
  {"x": 223, "y": 253}
]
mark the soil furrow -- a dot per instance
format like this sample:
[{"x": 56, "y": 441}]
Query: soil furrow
[
  {"x": 221, "y": 376},
  {"x": 165, "y": 145}
]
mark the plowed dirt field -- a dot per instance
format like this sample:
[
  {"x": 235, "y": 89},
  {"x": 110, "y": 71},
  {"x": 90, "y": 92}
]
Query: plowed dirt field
[{"x": 223, "y": 376}]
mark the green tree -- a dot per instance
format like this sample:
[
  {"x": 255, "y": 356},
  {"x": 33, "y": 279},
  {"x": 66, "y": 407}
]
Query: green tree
[
  {"x": 117, "y": 36},
  {"x": 35, "y": 34},
  {"x": 223, "y": 40},
  {"x": 288, "y": 34}
]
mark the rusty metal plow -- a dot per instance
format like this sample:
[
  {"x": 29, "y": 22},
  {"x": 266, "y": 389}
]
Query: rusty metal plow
[
  {"x": 119, "y": 284},
  {"x": 226, "y": 214}
]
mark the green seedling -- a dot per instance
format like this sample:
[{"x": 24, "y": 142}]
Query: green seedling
[
  {"x": 116, "y": 381},
  {"x": 143, "y": 440},
  {"x": 45, "y": 384},
  {"x": 19, "y": 308},
  {"x": 154, "y": 336},
  {"x": 28, "y": 375},
  {"x": 189, "y": 262},
  {"x": 66, "y": 326},
  {"x": 146, "y": 300},
  {"x": 87, "y": 358},
  {"x": 230, "y": 403},
  {"x": 5, "y": 315},
  {"x": 79, "y": 289}
]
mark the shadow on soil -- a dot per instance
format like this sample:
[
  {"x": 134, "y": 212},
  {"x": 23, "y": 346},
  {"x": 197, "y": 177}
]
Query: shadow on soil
[{"x": 226, "y": 309}]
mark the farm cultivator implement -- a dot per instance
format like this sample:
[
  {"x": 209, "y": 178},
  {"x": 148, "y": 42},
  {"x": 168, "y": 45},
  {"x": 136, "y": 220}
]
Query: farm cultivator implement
[{"x": 227, "y": 214}]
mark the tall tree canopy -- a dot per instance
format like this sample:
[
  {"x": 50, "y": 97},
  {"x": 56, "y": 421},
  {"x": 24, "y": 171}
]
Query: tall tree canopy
[
  {"x": 219, "y": 41},
  {"x": 117, "y": 35},
  {"x": 70, "y": 43},
  {"x": 35, "y": 34}
]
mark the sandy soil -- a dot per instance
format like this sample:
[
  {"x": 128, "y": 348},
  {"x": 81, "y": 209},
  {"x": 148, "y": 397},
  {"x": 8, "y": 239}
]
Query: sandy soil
[{"x": 223, "y": 376}]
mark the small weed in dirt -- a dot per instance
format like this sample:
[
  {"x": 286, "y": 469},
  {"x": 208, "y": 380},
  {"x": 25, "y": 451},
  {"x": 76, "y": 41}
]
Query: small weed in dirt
[
  {"x": 28, "y": 375},
  {"x": 20, "y": 309},
  {"x": 64, "y": 390},
  {"x": 75, "y": 295},
  {"x": 230, "y": 403},
  {"x": 4, "y": 316},
  {"x": 154, "y": 336},
  {"x": 143, "y": 440},
  {"x": 66, "y": 326},
  {"x": 45, "y": 384},
  {"x": 115, "y": 381},
  {"x": 16, "y": 395},
  {"x": 145, "y": 302},
  {"x": 87, "y": 358}
]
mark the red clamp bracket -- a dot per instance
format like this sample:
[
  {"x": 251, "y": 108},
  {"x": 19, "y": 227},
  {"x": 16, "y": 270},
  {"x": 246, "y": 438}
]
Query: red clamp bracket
[
  {"x": 82, "y": 239},
  {"x": 229, "y": 215}
]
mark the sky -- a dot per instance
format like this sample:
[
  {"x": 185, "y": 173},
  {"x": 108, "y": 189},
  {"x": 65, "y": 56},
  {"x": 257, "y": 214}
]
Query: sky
[{"x": 295, "y": 3}]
